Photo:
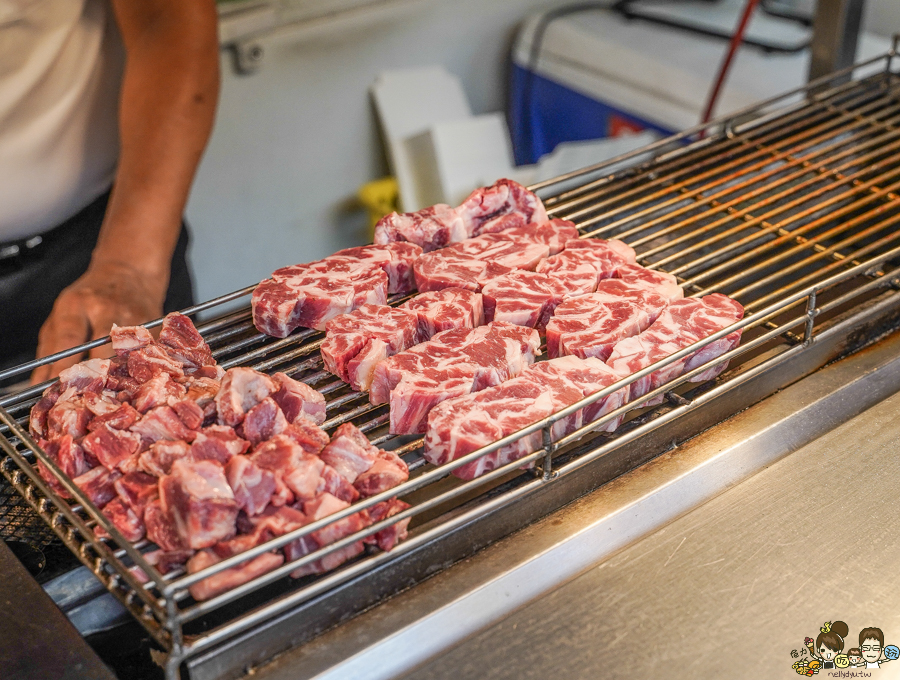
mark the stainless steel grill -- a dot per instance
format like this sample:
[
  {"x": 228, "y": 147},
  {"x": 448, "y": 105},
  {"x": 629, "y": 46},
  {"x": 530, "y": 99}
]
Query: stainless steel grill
[{"x": 790, "y": 207}]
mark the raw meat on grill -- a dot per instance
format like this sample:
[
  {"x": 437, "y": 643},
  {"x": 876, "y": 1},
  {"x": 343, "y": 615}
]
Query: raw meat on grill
[
  {"x": 523, "y": 298},
  {"x": 503, "y": 205},
  {"x": 202, "y": 503},
  {"x": 436, "y": 271},
  {"x": 473, "y": 263},
  {"x": 430, "y": 228},
  {"x": 603, "y": 257},
  {"x": 662, "y": 283},
  {"x": 356, "y": 342},
  {"x": 681, "y": 324},
  {"x": 390, "y": 536},
  {"x": 452, "y": 363},
  {"x": 446, "y": 309},
  {"x": 555, "y": 233},
  {"x": 298, "y": 400},
  {"x": 396, "y": 259},
  {"x": 308, "y": 295},
  {"x": 168, "y": 470},
  {"x": 182, "y": 341},
  {"x": 229, "y": 578},
  {"x": 590, "y": 325},
  {"x": 462, "y": 425}
]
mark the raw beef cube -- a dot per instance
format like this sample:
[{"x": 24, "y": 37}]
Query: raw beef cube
[
  {"x": 252, "y": 486},
  {"x": 304, "y": 477},
  {"x": 504, "y": 205},
  {"x": 167, "y": 560},
  {"x": 322, "y": 506},
  {"x": 590, "y": 325},
  {"x": 156, "y": 392},
  {"x": 522, "y": 298},
  {"x": 125, "y": 339},
  {"x": 219, "y": 443},
  {"x": 68, "y": 416},
  {"x": 357, "y": 341},
  {"x": 201, "y": 502},
  {"x": 229, "y": 578},
  {"x": 337, "y": 485},
  {"x": 161, "y": 528},
  {"x": 436, "y": 271},
  {"x": 101, "y": 404},
  {"x": 386, "y": 472},
  {"x": 279, "y": 454},
  {"x": 68, "y": 456},
  {"x": 137, "y": 489},
  {"x": 162, "y": 422},
  {"x": 121, "y": 419},
  {"x": 663, "y": 283},
  {"x": 37, "y": 419},
  {"x": 98, "y": 484},
  {"x": 263, "y": 421},
  {"x": 111, "y": 447},
  {"x": 150, "y": 361},
  {"x": 203, "y": 391},
  {"x": 86, "y": 376},
  {"x": 395, "y": 258},
  {"x": 297, "y": 399},
  {"x": 274, "y": 522},
  {"x": 241, "y": 390},
  {"x": 350, "y": 452},
  {"x": 189, "y": 413},
  {"x": 683, "y": 323},
  {"x": 604, "y": 257},
  {"x": 181, "y": 340},
  {"x": 125, "y": 520},
  {"x": 446, "y": 309},
  {"x": 554, "y": 233},
  {"x": 430, "y": 228},
  {"x": 309, "y": 436},
  {"x": 309, "y": 295},
  {"x": 158, "y": 459},
  {"x": 390, "y": 536}
]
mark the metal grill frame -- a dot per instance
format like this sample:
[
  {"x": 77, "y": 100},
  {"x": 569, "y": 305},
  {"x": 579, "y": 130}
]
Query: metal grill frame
[{"x": 784, "y": 323}]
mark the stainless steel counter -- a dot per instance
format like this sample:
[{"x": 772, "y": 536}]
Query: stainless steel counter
[{"x": 729, "y": 589}]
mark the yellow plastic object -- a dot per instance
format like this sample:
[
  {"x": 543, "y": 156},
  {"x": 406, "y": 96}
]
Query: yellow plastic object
[{"x": 379, "y": 197}]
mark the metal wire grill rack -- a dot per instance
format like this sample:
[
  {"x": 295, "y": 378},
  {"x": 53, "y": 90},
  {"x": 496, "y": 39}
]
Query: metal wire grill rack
[{"x": 790, "y": 207}]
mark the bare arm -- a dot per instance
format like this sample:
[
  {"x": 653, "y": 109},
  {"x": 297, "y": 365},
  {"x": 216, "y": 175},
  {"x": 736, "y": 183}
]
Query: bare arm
[{"x": 168, "y": 102}]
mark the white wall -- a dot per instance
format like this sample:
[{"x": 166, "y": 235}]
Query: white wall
[{"x": 294, "y": 141}]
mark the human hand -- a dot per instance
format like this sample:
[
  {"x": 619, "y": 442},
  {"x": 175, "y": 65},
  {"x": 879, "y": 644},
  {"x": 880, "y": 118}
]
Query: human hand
[{"x": 109, "y": 292}]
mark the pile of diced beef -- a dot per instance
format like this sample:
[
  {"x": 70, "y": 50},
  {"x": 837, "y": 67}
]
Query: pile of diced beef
[{"x": 206, "y": 463}]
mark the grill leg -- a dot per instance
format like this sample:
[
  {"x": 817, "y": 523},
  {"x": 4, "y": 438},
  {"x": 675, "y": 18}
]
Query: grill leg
[{"x": 835, "y": 33}]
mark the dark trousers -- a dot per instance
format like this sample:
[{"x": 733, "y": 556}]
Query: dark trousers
[{"x": 31, "y": 282}]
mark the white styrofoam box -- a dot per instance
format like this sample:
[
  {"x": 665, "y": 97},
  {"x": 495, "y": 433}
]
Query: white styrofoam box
[
  {"x": 409, "y": 102},
  {"x": 664, "y": 75},
  {"x": 453, "y": 158}
]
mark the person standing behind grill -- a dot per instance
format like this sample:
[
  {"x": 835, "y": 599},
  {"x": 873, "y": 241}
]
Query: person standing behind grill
[{"x": 106, "y": 107}]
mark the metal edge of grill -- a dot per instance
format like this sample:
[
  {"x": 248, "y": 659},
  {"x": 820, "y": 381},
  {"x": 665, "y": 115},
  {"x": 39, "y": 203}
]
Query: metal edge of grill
[{"x": 842, "y": 300}]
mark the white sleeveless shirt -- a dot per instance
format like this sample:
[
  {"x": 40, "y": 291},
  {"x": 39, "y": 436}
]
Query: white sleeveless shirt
[{"x": 61, "y": 67}]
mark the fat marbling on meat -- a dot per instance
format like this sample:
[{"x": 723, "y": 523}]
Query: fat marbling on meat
[
  {"x": 462, "y": 425},
  {"x": 452, "y": 363},
  {"x": 681, "y": 324}
]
